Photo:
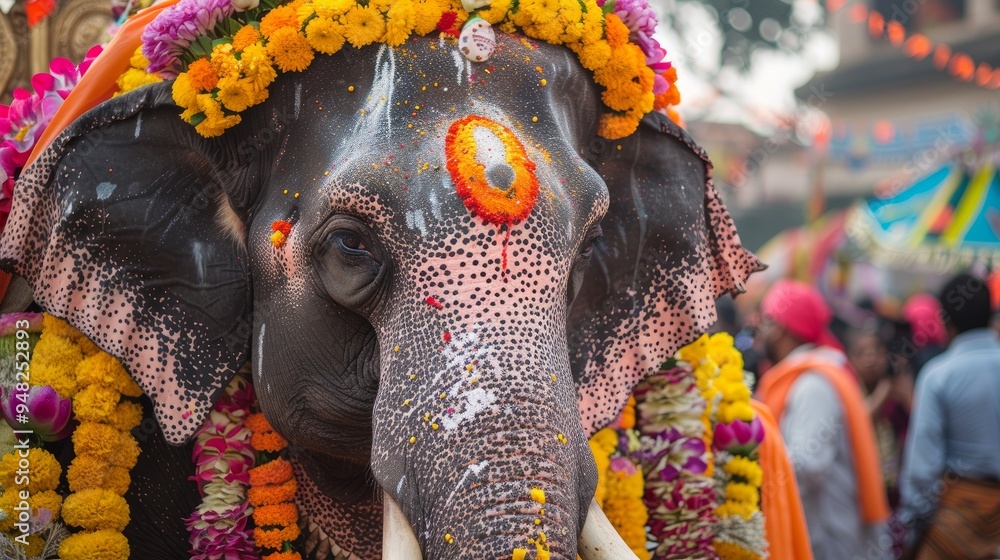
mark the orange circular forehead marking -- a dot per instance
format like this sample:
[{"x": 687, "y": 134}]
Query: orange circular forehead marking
[{"x": 495, "y": 205}]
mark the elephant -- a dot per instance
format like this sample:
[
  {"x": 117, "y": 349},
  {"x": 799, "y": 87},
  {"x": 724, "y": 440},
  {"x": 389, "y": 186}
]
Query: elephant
[{"x": 405, "y": 341}]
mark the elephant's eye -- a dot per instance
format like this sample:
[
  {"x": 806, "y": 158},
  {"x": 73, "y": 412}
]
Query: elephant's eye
[
  {"x": 349, "y": 243},
  {"x": 352, "y": 242},
  {"x": 587, "y": 250}
]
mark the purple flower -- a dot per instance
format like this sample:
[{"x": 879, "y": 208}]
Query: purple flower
[
  {"x": 738, "y": 437},
  {"x": 41, "y": 410},
  {"x": 641, "y": 20},
  {"x": 167, "y": 37}
]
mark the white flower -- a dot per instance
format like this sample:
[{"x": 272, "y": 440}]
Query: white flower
[{"x": 241, "y": 5}]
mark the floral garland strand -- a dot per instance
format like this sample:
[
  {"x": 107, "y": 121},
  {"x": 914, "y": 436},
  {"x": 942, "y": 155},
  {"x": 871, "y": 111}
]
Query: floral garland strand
[
  {"x": 272, "y": 493},
  {"x": 105, "y": 451},
  {"x": 680, "y": 493},
  {"x": 718, "y": 370},
  {"x": 623, "y": 500},
  {"x": 226, "y": 53},
  {"x": 223, "y": 458}
]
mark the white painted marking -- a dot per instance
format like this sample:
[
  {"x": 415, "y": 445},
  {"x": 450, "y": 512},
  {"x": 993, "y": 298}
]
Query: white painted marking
[
  {"x": 138, "y": 125},
  {"x": 399, "y": 487},
  {"x": 459, "y": 61},
  {"x": 476, "y": 401},
  {"x": 260, "y": 351},
  {"x": 473, "y": 470},
  {"x": 415, "y": 220},
  {"x": 105, "y": 189}
]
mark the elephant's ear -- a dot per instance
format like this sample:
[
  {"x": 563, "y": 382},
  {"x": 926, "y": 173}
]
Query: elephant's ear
[
  {"x": 117, "y": 228},
  {"x": 671, "y": 250}
]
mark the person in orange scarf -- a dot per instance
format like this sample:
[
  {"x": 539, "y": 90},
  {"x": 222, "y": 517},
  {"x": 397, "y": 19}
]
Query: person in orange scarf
[{"x": 825, "y": 422}]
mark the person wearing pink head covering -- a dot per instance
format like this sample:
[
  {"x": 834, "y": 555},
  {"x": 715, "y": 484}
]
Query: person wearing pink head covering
[{"x": 826, "y": 425}]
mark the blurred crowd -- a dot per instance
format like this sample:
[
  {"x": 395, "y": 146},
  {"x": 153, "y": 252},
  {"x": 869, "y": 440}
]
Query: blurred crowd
[{"x": 892, "y": 423}]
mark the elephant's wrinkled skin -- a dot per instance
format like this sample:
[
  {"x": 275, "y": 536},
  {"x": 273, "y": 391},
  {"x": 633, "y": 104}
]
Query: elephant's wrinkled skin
[{"x": 458, "y": 405}]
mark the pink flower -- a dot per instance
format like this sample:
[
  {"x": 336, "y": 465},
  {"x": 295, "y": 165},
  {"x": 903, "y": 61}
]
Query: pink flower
[
  {"x": 738, "y": 437},
  {"x": 24, "y": 121},
  {"x": 41, "y": 410},
  {"x": 9, "y": 323},
  {"x": 167, "y": 37}
]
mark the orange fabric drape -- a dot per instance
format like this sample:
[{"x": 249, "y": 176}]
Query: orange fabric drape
[
  {"x": 773, "y": 391},
  {"x": 98, "y": 84},
  {"x": 784, "y": 521}
]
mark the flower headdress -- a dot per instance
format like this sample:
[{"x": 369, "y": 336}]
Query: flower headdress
[{"x": 225, "y": 53}]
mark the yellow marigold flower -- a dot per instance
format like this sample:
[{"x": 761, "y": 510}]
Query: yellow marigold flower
[
  {"x": 49, "y": 500},
  {"x": 134, "y": 79},
  {"x": 8, "y": 501},
  {"x": 533, "y": 11},
  {"x": 36, "y": 544},
  {"x": 105, "y": 369},
  {"x": 183, "y": 92},
  {"x": 733, "y": 551},
  {"x": 593, "y": 27},
  {"x": 96, "y": 440},
  {"x": 614, "y": 126},
  {"x": 138, "y": 60},
  {"x": 694, "y": 352},
  {"x": 55, "y": 326},
  {"x": 224, "y": 62},
  {"x": 332, "y": 9},
  {"x": 734, "y": 391},
  {"x": 290, "y": 50},
  {"x": 235, "y": 94},
  {"x": 246, "y": 36},
  {"x": 257, "y": 67},
  {"x": 127, "y": 453},
  {"x": 731, "y": 509},
  {"x": 324, "y": 35},
  {"x": 43, "y": 471},
  {"x": 739, "y": 492},
  {"x": 87, "y": 346},
  {"x": 88, "y": 472},
  {"x": 282, "y": 17},
  {"x": 53, "y": 362},
  {"x": 364, "y": 25},
  {"x": 496, "y": 11},
  {"x": 428, "y": 13},
  {"x": 202, "y": 75},
  {"x": 126, "y": 416},
  {"x": 96, "y": 509},
  {"x": 624, "y": 507},
  {"x": 746, "y": 469},
  {"x": 95, "y": 403},
  {"x": 400, "y": 21},
  {"x": 735, "y": 411},
  {"x": 216, "y": 122},
  {"x": 595, "y": 55},
  {"x": 98, "y": 545}
]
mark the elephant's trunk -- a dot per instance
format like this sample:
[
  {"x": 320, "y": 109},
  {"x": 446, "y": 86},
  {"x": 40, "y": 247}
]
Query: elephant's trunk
[{"x": 478, "y": 439}]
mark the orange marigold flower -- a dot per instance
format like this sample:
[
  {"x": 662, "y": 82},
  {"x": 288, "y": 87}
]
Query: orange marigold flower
[
  {"x": 273, "y": 472},
  {"x": 276, "y": 515},
  {"x": 245, "y": 37},
  {"x": 275, "y": 538},
  {"x": 268, "y": 441},
  {"x": 282, "y": 556},
  {"x": 272, "y": 493},
  {"x": 201, "y": 75},
  {"x": 279, "y": 18},
  {"x": 614, "y": 126},
  {"x": 615, "y": 31},
  {"x": 257, "y": 423}
]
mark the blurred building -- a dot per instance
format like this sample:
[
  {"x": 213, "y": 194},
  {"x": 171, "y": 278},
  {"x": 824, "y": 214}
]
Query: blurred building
[
  {"x": 69, "y": 32},
  {"x": 893, "y": 116}
]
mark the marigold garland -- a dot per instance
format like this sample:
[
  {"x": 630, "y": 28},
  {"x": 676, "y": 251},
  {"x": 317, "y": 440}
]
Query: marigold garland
[
  {"x": 216, "y": 79},
  {"x": 272, "y": 492}
]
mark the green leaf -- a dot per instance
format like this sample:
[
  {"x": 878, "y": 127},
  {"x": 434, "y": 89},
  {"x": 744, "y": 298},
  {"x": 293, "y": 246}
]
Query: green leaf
[
  {"x": 197, "y": 119},
  {"x": 668, "y": 365},
  {"x": 609, "y": 7}
]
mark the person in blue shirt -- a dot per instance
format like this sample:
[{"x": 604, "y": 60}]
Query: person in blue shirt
[{"x": 951, "y": 470}]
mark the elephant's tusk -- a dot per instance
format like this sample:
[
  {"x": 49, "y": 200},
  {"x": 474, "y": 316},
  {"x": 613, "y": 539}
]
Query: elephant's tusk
[
  {"x": 599, "y": 540},
  {"x": 398, "y": 540}
]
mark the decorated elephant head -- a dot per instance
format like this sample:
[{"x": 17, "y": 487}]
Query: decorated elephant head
[{"x": 439, "y": 272}]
